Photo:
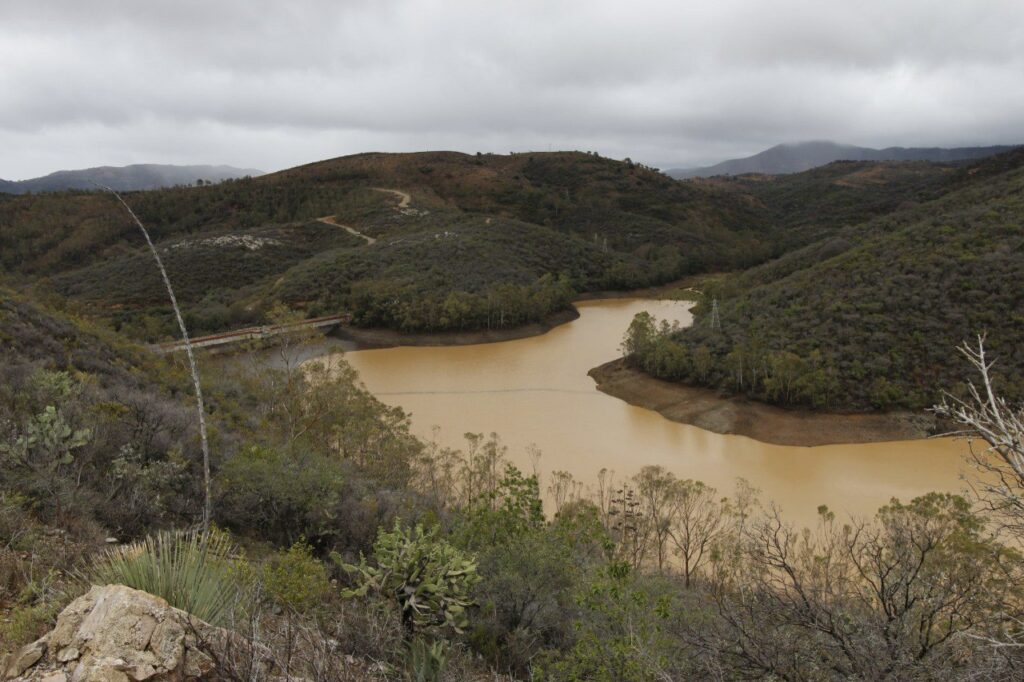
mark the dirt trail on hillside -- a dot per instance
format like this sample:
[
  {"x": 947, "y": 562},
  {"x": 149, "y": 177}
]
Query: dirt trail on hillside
[
  {"x": 330, "y": 220},
  {"x": 405, "y": 198}
]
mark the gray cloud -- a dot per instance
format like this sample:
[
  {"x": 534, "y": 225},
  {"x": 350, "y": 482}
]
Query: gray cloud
[{"x": 272, "y": 84}]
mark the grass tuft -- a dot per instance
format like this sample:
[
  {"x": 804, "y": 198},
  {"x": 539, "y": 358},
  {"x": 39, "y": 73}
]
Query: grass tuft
[{"x": 193, "y": 572}]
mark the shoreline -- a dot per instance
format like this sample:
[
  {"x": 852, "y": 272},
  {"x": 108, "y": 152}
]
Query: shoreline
[
  {"x": 364, "y": 338},
  {"x": 705, "y": 409}
]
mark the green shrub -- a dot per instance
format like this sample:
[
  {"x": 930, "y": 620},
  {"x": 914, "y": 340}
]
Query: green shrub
[
  {"x": 193, "y": 572},
  {"x": 295, "y": 579},
  {"x": 426, "y": 660},
  {"x": 429, "y": 578},
  {"x": 285, "y": 496},
  {"x": 25, "y": 624},
  {"x": 34, "y": 608}
]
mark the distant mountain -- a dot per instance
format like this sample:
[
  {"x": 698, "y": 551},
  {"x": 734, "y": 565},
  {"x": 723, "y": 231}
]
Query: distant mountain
[
  {"x": 795, "y": 158},
  {"x": 126, "y": 178}
]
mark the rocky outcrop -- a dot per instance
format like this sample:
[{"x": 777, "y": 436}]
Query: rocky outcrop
[{"x": 117, "y": 634}]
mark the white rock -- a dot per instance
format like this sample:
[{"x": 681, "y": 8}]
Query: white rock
[{"x": 117, "y": 634}]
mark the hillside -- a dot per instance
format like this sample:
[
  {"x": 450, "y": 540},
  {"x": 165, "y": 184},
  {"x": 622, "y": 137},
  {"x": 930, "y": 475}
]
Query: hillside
[
  {"x": 486, "y": 240},
  {"x": 870, "y": 317},
  {"x": 801, "y": 156},
  {"x": 802, "y": 208},
  {"x": 126, "y": 178},
  {"x": 318, "y": 490},
  {"x": 101, "y": 473}
]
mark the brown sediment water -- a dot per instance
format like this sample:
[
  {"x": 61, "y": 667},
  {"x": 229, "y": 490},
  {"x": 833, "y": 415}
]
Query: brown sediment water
[{"x": 535, "y": 391}]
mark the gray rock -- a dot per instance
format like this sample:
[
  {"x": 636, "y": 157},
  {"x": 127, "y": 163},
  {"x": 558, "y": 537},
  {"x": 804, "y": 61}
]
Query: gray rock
[
  {"x": 117, "y": 634},
  {"x": 26, "y": 656}
]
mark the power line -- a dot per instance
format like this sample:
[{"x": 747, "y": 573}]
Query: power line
[{"x": 716, "y": 321}]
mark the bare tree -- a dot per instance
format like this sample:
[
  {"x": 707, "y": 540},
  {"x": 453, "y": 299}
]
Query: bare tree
[
  {"x": 563, "y": 489},
  {"x": 191, "y": 361},
  {"x": 885, "y": 600},
  {"x": 987, "y": 417},
  {"x": 984, "y": 415},
  {"x": 698, "y": 523},
  {"x": 658, "y": 492}
]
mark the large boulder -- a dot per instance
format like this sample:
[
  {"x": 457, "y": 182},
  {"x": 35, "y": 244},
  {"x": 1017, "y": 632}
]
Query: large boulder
[{"x": 117, "y": 634}]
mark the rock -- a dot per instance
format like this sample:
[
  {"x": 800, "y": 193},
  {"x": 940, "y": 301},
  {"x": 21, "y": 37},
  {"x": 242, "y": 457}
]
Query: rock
[
  {"x": 117, "y": 634},
  {"x": 54, "y": 676},
  {"x": 112, "y": 541},
  {"x": 26, "y": 656}
]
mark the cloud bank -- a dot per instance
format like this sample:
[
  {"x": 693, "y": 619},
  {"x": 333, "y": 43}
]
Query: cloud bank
[{"x": 272, "y": 85}]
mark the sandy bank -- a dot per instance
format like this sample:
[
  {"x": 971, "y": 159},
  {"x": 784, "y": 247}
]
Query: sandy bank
[{"x": 703, "y": 408}]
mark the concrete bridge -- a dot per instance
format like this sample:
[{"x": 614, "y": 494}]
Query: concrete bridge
[{"x": 251, "y": 333}]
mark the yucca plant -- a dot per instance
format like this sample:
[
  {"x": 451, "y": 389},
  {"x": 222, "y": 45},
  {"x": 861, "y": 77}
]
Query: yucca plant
[{"x": 195, "y": 572}]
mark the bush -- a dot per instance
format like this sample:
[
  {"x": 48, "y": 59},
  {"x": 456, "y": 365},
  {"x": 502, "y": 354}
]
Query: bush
[
  {"x": 25, "y": 624},
  {"x": 284, "y": 496},
  {"x": 430, "y": 578},
  {"x": 295, "y": 579},
  {"x": 34, "y": 610}
]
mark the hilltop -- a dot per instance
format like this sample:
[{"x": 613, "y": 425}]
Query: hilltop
[
  {"x": 802, "y": 156},
  {"x": 483, "y": 241},
  {"x": 126, "y": 178}
]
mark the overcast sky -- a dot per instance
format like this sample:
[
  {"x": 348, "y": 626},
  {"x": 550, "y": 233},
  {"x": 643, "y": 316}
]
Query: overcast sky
[{"x": 683, "y": 82}]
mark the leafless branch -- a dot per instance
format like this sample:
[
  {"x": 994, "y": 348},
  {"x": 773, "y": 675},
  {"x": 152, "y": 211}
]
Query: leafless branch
[{"x": 985, "y": 416}]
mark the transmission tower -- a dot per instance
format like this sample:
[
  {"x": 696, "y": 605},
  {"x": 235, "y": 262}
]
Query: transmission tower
[{"x": 716, "y": 321}]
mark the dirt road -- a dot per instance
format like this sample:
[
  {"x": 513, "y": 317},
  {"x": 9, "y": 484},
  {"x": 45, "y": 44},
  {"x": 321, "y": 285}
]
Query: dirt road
[
  {"x": 405, "y": 198},
  {"x": 330, "y": 220}
]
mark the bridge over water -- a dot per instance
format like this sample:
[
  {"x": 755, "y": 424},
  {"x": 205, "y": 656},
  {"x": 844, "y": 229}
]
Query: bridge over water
[{"x": 252, "y": 333}]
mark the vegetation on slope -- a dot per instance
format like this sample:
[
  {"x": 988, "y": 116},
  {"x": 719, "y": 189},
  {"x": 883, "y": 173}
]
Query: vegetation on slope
[
  {"x": 865, "y": 318},
  {"x": 461, "y": 574},
  {"x": 371, "y": 555},
  {"x": 477, "y": 226},
  {"x": 806, "y": 207}
]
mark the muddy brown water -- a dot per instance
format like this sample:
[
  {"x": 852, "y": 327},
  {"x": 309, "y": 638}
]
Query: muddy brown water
[{"x": 536, "y": 391}]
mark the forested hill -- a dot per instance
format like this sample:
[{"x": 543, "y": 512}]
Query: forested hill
[
  {"x": 448, "y": 241},
  {"x": 870, "y": 317},
  {"x": 484, "y": 240}
]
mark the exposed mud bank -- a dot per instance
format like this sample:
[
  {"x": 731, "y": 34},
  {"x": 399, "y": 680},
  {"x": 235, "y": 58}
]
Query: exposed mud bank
[{"x": 703, "y": 408}]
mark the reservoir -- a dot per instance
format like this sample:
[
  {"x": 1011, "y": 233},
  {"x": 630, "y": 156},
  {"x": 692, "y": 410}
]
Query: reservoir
[{"x": 535, "y": 394}]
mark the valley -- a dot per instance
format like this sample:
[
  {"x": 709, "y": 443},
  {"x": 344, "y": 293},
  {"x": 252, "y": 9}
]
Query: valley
[
  {"x": 647, "y": 341},
  {"x": 536, "y": 395},
  {"x": 578, "y": 372}
]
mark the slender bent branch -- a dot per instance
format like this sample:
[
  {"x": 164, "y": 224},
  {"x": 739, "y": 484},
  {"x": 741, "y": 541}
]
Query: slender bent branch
[
  {"x": 983, "y": 414},
  {"x": 191, "y": 361},
  {"x": 986, "y": 415}
]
